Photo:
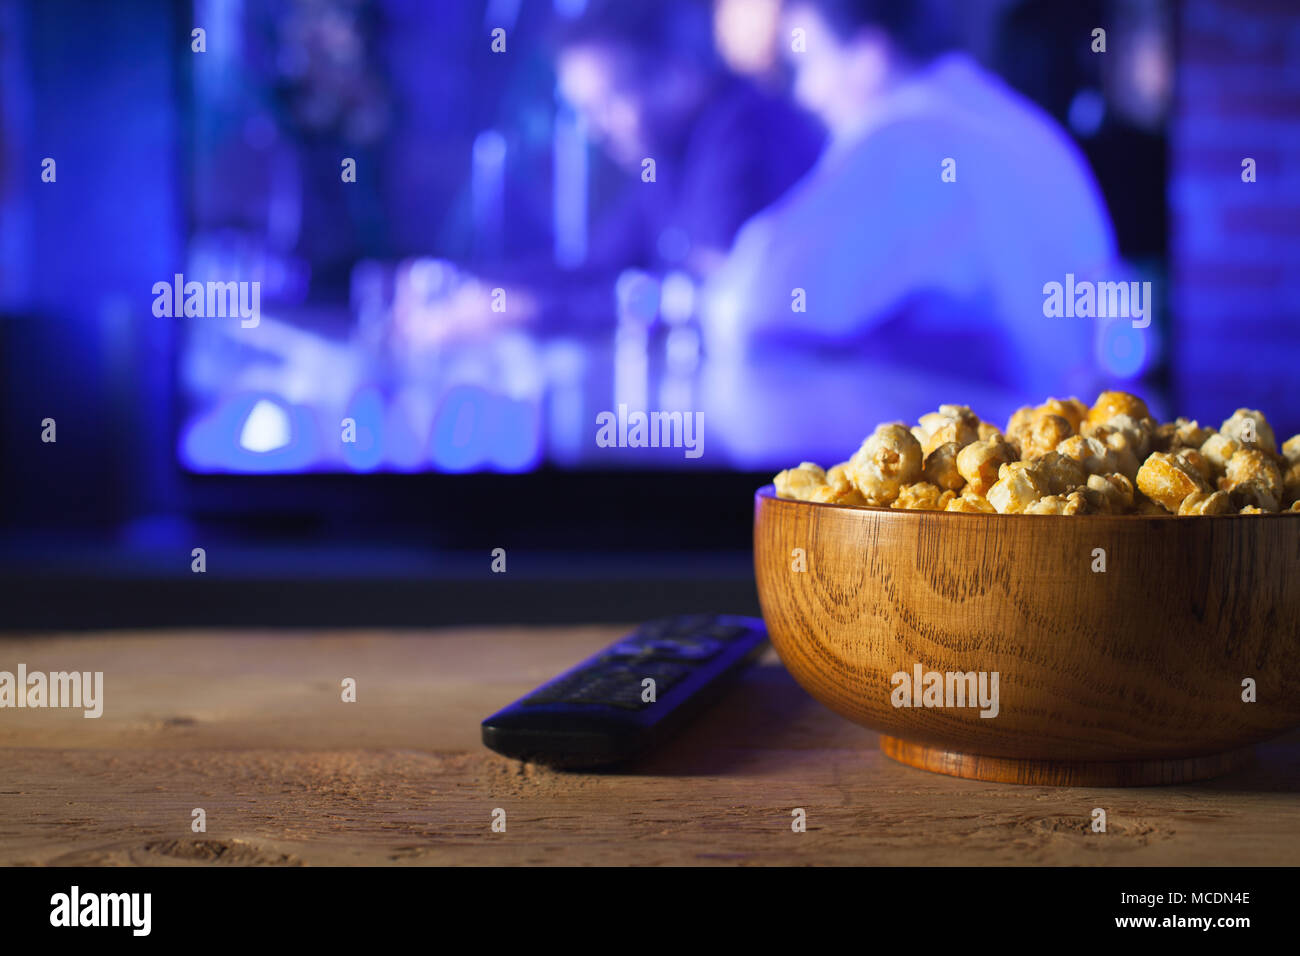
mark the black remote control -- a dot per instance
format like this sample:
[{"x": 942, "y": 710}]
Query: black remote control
[{"x": 600, "y": 711}]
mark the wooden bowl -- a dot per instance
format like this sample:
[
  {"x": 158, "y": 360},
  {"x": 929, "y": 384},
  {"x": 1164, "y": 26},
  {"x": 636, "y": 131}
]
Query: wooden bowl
[{"x": 1126, "y": 677}]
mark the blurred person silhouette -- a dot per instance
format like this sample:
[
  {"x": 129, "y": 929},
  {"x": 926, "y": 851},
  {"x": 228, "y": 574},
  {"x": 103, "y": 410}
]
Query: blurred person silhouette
[
  {"x": 648, "y": 81},
  {"x": 875, "y": 288}
]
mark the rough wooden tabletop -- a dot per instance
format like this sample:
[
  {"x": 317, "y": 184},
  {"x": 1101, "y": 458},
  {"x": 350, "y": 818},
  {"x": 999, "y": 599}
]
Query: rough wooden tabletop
[{"x": 251, "y": 728}]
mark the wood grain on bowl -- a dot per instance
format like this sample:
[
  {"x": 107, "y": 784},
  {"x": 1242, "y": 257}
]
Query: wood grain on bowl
[{"x": 1131, "y": 675}]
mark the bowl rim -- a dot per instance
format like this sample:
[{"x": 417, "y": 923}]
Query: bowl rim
[{"x": 768, "y": 492}]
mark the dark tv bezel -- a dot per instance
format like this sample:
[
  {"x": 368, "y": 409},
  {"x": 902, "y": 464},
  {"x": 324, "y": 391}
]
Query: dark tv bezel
[{"x": 547, "y": 509}]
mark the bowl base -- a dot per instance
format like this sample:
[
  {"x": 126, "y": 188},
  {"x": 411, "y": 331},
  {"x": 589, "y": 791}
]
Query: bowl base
[{"x": 1064, "y": 773}]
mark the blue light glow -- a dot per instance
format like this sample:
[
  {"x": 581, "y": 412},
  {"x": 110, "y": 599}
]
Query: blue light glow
[
  {"x": 1123, "y": 350},
  {"x": 367, "y": 412},
  {"x": 215, "y": 441}
]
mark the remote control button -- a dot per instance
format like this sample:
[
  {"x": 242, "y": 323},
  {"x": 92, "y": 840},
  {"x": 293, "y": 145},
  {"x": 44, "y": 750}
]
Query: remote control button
[
  {"x": 614, "y": 685},
  {"x": 665, "y": 674},
  {"x": 625, "y": 697}
]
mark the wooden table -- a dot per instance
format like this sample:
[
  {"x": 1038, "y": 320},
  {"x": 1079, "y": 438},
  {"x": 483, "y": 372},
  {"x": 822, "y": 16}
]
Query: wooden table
[{"x": 251, "y": 728}]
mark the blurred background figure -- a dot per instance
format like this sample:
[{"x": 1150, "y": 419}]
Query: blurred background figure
[
  {"x": 647, "y": 84},
  {"x": 909, "y": 264},
  {"x": 669, "y": 131}
]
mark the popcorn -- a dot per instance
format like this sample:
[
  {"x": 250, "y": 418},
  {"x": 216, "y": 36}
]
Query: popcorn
[
  {"x": 1075, "y": 503},
  {"x": 1071, "y": 409},
  {"x": 1020, "y": 418},
  {"x": 1250, "y": 465},
  {"x": 1291, "y": 450},
  {"x": 979, "y": 462},
  {"x": 1291, "y": 475},
  {"x": 1180, "y": 433},
  {"x": 1217, "y": 450},
  {"x": 1091, "y": 454},
  {"x": 1137, "y": 432},
  {"x": 1118, "y": 441},
  {"x": 887, "y": 460},
  {"x": 1194, "y": 459},
  {"x": 837, "y": 489},
  {"x": 1258, "y": 433},
  {"x": 1252, "y": 478},
  {"x": 940, "y": 467},
  {"x": 1168, "y": 479},
  {"x": 1110, "y": 404},
  {"x": 832, "y": 496},
  {"x": 1039, "y": 435},
  {"x": 1018, "y": 486},
  {"x": 953, "y": 432},
  {"x": 1255, "y": 494},
  {"x": 1063, "y": 458},
  {"x": 951, "y": 423},
  {"x": 923, "y": 496},
  {"x": 1291, "y": 485},
  {"x": 971, "y": 503},
  {"x": 1061, "y": 473},
  {"x": 800, "y": 483},
  {"x": 1109, "y": 494},
  {"x": 1189, "y": 434},
  {"x": 1206, "y": 503}
]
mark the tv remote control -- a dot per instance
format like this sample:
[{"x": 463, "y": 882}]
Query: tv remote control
[{"x": 600, "y": 711}]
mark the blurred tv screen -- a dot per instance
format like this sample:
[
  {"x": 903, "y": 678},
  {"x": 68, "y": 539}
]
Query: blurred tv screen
[{"x": 454, "y": 249}]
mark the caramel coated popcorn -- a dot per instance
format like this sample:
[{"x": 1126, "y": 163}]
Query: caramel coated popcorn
[
  {"x": 1091, "y": 454},
  {"x": 971, "y": 502},
  {"x": 1218, "y": 451},
  {"x": 1109, "y": 494},
  {"x": 951, "y": 423},
  {"x": 1250, "y": 429},
  {"x": 1252, "y": 466},
  {"x": 1167, "y": 479},
  {"x": 1061, "y": 472},
  {"x": 888, "y": 460},
  {"x": 801, "y": 482},
  {"x": 1075, "y": 503},
  {"x": 922, "y": 496},
  {"x": 1063, "y": 458},
  {"x": 1206, "y": 503},
  {"x": 940, "y": 467},
  {"x": 979, "y": 462},
  {"x": 1019, "y": 485}
]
